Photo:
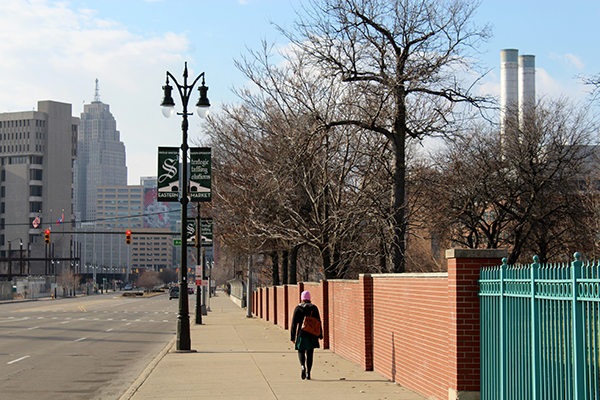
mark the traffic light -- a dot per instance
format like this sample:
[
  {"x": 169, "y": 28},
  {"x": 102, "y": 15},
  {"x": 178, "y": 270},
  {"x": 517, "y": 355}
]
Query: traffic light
[
  {"x": 47, "y": 236},
  {"x": 128, "y": 236}
]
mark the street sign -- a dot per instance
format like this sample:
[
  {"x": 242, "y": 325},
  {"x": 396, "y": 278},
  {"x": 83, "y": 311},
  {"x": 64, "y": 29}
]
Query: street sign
[{"x": 176, "y": 242}]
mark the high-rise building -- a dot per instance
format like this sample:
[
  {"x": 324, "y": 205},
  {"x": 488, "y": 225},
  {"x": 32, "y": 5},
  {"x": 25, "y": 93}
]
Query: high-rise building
[
  {"x": 104, "y": 251},
  {"x": 37, "y": 154},
  {"x": 101, "y": 159}
]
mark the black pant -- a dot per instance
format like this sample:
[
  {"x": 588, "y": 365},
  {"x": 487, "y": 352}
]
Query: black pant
[{"x": 306, "y": 358}]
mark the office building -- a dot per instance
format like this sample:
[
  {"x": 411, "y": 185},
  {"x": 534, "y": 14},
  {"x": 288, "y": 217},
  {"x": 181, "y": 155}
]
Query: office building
[
  {"x": 37, "y": 155},
  {"x": 101, "y": 159}
]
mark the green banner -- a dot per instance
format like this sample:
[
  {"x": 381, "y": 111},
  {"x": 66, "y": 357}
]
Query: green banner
[
  {"x": 168, "y": 174},
  {"x": 200, "y": 174},
  {"x": 207, "y": 232},
  {"x": 191, "y": 232}
]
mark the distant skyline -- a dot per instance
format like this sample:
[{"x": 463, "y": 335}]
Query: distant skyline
[{"x": 54, "y": 50}]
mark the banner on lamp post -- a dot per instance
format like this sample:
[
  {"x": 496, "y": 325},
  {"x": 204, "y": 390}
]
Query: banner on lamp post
[
  {"x": 190, "y": 232},
  {"x": 200, "y": 174},
  {"x": 207, "y": 232},
  {"x": 168, "y": 174}
]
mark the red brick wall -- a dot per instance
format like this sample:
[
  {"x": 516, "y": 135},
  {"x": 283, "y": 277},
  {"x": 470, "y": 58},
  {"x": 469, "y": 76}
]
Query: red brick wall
[
  {"x": 282, "y": 306},
  {"x": 410, "y": 331},
  {"x": 346, "y": 313},
  {"x": 420, "y": 330},
  {"x": 270, "y": 304},
  {"x": 464, "y": 346},
  {"x": 293, "y": 300}
]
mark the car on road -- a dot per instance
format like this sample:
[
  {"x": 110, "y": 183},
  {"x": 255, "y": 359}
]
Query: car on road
[
  {"x": 128, "y": 287},
  {"x": 174, "y": 293},
  {"x": 190, "y": 290}
]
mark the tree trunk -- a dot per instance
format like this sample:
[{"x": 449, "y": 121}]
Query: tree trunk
[
  {"x": 284, "y": 266},
  {"x": 398, "y": 218},
  {"x": 275, "y": 269},
  {"x": 293, "y": 276}
]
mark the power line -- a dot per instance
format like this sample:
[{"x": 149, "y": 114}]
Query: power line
[{"x": 49, "y": 224}]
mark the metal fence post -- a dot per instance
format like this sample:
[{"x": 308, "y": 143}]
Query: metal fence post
[
  {"x": 535, "y": 351},
  {"x": 578, "y": 341},
  {"x": 502, "y": 330}
]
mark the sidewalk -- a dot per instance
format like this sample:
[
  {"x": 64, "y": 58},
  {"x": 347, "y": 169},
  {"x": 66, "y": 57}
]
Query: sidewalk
[{"x": 247, "y": 358}]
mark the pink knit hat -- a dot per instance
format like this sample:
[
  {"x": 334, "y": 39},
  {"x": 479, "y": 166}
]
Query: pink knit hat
[{"x": 305, "y": 295}]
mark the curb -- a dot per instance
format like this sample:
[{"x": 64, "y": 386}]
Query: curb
[{"x": 147, "y": 371}]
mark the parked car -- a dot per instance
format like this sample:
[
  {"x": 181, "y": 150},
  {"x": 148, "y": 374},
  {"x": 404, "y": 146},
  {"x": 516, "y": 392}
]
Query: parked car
[
  {"x": 174, "y": 293},
  {"x": 128, "y": 287}
]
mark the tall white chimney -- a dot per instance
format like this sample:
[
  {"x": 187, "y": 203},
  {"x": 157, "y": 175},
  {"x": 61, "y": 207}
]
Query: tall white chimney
[
  {"x": 509, "y": 86},
  {"x": 526, "y": 86}
]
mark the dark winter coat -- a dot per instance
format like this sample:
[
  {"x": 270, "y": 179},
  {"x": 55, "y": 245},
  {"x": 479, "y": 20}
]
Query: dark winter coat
[{"x": 303, "y": 310}]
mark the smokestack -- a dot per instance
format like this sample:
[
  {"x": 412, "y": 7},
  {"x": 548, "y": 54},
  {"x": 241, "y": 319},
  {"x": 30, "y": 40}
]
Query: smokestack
[
  {"x": 526, "y": 86},
  {"x": 509, "y": 86}
]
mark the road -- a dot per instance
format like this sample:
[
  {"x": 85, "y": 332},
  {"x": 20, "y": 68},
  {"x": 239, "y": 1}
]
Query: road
[{"x": 90, "y": 347}]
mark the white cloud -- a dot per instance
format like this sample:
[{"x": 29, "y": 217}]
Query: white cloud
[
  {"x": 52, "y": 52},
  {"x": 548, "y": 86},
  {"x": 569, "y": 60}
]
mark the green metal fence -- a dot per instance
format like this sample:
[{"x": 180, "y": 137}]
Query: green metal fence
[{"x": 540, "y": 331}]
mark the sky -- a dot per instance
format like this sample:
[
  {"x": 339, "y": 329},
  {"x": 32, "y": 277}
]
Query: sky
[{"x": 55, "y": 50}]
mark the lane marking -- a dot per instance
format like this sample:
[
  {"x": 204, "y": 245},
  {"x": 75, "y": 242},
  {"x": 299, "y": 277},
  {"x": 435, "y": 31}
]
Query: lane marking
[
  {"x": 65, "y": 322},
  {"x": 108, "y": 330},
  {"x": 17, "y": 360},
  {"x": 12, "y": 319},
  {"x": 79, "y": 340},
  {"x": 33, "y": 327}
]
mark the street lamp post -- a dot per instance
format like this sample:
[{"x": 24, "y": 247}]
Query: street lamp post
[{"x": 168, "y": 108}]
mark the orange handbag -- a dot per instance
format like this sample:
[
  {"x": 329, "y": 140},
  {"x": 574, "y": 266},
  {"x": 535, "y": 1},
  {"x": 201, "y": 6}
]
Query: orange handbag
[{"x": 311, "y": 325}]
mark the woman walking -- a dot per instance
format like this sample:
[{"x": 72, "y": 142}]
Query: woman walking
[{"x": 304, "y": 341}]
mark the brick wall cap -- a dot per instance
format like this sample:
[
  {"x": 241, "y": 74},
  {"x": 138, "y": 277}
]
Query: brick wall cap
[
  {"x": 409, "y": 275},
  {"x": 476, "y": 253},
  {"x": 312, "y": 283}
]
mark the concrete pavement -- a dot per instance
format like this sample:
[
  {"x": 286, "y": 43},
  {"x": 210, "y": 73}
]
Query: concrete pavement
[{"x": 247, "y": 358}]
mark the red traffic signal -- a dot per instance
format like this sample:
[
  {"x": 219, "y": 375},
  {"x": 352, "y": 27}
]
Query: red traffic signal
[
  {"x": 47, "y": 236},
  {"x": 128, "y": 236}
]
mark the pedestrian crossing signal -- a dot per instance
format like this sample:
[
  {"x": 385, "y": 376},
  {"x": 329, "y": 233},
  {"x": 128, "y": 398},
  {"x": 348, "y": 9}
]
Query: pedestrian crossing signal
[
  {"x": 128, "y": 237},
  {"x": 47, "y": 236}
]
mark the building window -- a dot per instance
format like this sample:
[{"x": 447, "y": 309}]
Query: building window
[
  {"x": 35, "y": 191},
  {"x": 35, "y": 174}
]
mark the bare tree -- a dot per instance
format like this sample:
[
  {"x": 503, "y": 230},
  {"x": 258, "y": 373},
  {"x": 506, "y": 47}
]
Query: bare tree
[
  {"x": 68, "y": 280},
  {"x": 148, "y": 280},
  {"x": 285, "y": 180},
  {"x": 167, "y": 275},
  {"x": 404, "y": 58},
  {"x": 526, "y": 194},
  {"x": 594, "y": 83}
]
